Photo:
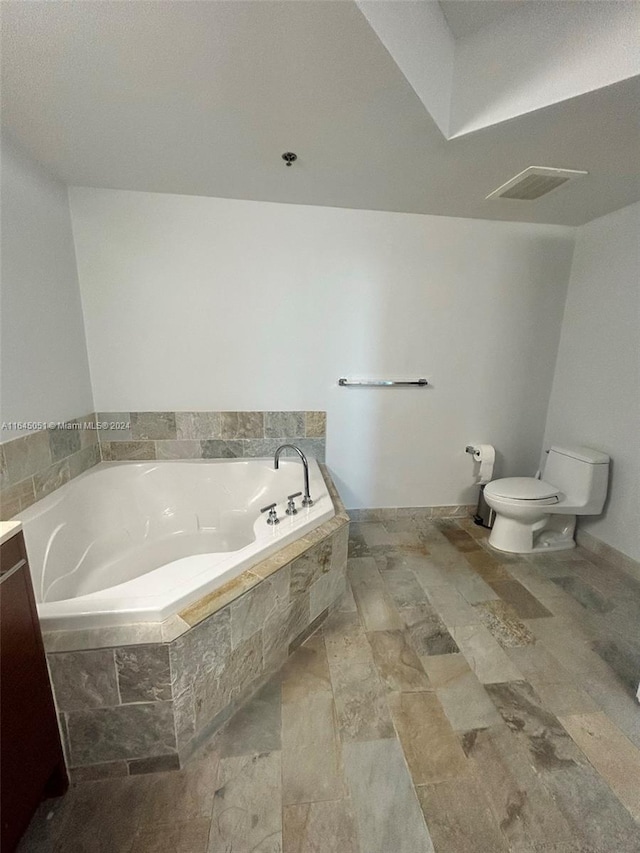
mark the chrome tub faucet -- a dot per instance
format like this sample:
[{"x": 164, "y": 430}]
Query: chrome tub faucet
[{"x": 306, "y": 500}]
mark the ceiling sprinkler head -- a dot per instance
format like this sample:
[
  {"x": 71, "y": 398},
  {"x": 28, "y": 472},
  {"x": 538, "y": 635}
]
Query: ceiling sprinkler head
[{"x": 289, "y": 157}]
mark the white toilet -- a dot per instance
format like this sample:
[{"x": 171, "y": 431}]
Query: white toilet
[{"x": 540, "y": 514}]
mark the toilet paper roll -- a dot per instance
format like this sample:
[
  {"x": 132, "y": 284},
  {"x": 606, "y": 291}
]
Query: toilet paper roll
[{"x": 485, "y": 454}]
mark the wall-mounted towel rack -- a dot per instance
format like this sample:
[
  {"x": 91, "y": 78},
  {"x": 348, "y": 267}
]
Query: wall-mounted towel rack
[{"x": 373, "y": 383}]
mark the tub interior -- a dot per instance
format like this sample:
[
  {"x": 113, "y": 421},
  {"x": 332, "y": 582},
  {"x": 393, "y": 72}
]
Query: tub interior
[{"x": 124, "y": 520}]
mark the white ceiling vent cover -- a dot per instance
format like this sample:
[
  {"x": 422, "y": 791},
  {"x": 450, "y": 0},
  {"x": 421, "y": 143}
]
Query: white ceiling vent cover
[{"x": 535, "y": 181}]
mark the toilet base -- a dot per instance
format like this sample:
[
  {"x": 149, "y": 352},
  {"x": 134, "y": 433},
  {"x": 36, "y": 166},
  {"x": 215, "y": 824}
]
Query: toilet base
[{"x": 550, "y": 533}]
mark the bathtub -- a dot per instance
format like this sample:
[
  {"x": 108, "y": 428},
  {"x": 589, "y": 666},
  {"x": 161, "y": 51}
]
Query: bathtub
[{"x": 136, "y": 542}]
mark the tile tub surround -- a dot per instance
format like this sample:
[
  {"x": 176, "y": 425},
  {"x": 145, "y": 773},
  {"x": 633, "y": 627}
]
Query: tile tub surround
[
  {"x": 144, "y": 707},
  {"x": 34, "y": 465},
  {"x": 210, "y": 435}
]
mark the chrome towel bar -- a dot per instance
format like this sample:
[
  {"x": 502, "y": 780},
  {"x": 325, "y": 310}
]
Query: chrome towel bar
[{"x": 372, "y": 383}]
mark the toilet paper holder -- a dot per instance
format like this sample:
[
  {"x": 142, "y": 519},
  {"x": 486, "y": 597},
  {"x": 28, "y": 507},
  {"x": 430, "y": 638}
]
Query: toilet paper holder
[{"x": 470, "y": 449}]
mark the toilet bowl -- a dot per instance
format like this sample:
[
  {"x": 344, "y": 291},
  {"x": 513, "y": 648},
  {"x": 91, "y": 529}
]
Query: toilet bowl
[{"x": 539, "y": 514}]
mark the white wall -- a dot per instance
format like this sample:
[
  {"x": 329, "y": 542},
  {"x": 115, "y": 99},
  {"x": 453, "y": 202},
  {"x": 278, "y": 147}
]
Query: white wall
[
  {"x": 44, "y": 372},
  {"x": 203, "y": 303},
  {"x": 596, "y": 389}
]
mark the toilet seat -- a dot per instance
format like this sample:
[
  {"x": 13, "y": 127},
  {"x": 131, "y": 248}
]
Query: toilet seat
[{"x": 527, "y": 490}]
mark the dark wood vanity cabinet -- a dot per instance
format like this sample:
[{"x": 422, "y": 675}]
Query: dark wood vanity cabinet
[{"x": 32, "y": 763}]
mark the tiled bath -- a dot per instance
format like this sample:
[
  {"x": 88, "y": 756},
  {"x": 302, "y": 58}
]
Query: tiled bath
[
  {"x": 34, "y": 465},
  {"x": 142, "y": 707}
]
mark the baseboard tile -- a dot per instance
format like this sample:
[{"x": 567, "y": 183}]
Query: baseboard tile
[
  {"x": 608, "y": 553},
  {"x": 424, "y": 513}
]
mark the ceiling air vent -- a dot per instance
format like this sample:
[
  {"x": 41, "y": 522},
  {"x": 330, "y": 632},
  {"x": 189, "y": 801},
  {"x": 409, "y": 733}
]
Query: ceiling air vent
[{"x": 534, "y": 182}]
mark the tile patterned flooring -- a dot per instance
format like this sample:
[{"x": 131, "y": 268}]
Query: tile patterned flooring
[{"x": 458, "y": 701}]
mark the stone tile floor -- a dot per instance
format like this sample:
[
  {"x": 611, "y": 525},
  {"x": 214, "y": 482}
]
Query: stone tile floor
[{"x": 458, "y": 700}]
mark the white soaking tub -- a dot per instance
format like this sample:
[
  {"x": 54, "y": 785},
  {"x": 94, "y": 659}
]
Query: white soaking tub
[{"x": 132, "y": 542}]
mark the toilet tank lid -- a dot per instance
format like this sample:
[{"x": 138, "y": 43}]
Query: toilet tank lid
[{"x": 583, "y": 454}]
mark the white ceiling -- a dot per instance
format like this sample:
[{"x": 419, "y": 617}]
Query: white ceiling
[
  {"x": 202, "y": 98},
  {"x": 466, "y": 17}
]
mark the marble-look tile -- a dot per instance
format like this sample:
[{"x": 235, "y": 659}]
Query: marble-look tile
[
  {"x": 282, "y": 628},
  {"x": 127, "y": 731},
  {"x": 453, "y": 609},
  {"x": 153, "y": 425},
  {"x": 284, "y": 425},
  {"x": 459, "y": 817},
  {"x": 181, "y": 796},
  {"x": 143, "y": 673},
  {"x": 83, "y": 460},
  {"x": 549, "y": 745},
  {"x": 502, "y": 621},
  {"x": 256, "y": 726},
  {"x": 213, "y": 448},
  {"x": 63, "y": 442},
  {"x": 202, "y": 651},
  {"x": 524, "y": 604},
  {"x": 235, "y": 425},
  {"x": 311, "y": 758},
  {"x": 121, "y": 451},
  {"x": 623, "y": 658},
  {"x": 324, "y": 827},
  {"x": 430, "y": 746},
  {"x": 427, "y": 632},
  {"x": 404, "y": 587},
  {"x": 558, "y": 692},
  {"x": 326, "y": 591},
  {"x": 100, "y": 817},
  {"x": 50, "y": 479},
  {"x": 176, "y": 449},
  {"x": 361, "y": 706},
  {"x": 372, "y": 599},
  {"x": 466, "y": 703},
  {"x": 224, "y": 595},
  {"x": 250, "y": 611},
  {"x": 487, "y": 566},
  {"x": 595, "y": 815},
  {"x": 315, "y": 424},
  {"x": 472, "y": 587},
  {"x": 611, "y": 753},
  {"x": 83, "y": 680},
  {"x": 460, "y": 539},
  {"x": 308, "y": 568},
  {"x": 27, "y": 455},
  {"x": 307, "y": 670},
  {"x": 14, "y": 499},
  {"x": 245, "y": 665},
  {"x": 197, "y": 425},
  {"x": 387, "y": 812},
  {"x": 489, "y": 662},
  {"x": 524, "y": 809},
  {"x": 247, "y": 817},
  {"x": 184, "y": 710},
  {"x": 188, "y": 837},
  {"x": 444, "y": 670},
  {"x": 374, "y": 534},
  {"x": 588, "y": 597},
  {"x": 397, "y": 662}
]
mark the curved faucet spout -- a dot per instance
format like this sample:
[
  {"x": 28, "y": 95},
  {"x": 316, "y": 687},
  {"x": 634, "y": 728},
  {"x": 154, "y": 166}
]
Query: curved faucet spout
[{"x": 306, "y": 500}]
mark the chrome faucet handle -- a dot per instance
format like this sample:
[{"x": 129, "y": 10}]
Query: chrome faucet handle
[
  {"x": 291, "y": 506},
  {"x": 307, "y": 500},
  {"x": 273, "y": 515}
]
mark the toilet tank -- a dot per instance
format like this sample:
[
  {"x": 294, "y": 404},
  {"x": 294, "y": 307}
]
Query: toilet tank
[{"x": 582, "y": 474}]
